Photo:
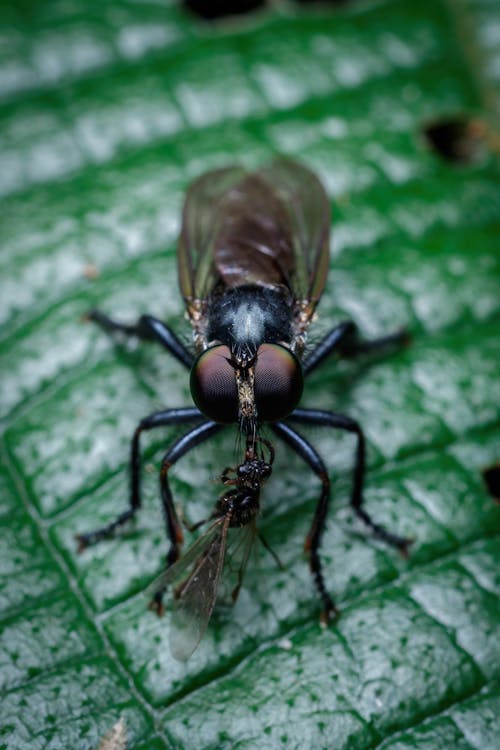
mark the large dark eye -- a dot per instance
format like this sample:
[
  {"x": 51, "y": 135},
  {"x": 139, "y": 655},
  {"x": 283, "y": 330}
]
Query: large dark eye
[
  {"x": 278, "y": 382},
  {"x": 213, "y": 385}
]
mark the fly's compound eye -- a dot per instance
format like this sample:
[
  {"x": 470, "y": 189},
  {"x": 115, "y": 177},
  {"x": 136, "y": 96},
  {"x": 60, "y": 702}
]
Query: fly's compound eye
[
  {"x": 278, "y": 382},
  {"x": 213, "y": 385}
]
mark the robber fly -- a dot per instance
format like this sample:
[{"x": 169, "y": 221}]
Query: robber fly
[{"x": 253, "y": 256}]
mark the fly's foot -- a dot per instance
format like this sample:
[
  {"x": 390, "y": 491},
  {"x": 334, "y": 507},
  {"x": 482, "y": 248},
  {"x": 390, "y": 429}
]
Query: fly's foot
[
  {"x": 401, "y": 543},
  {"x": 328, "y": 614},
  {"x": 89, "y": 538},
  {"x": 156, "y": 604},
  {"x": 404, "y": 545},
  {"x": 82, "y": 542}
]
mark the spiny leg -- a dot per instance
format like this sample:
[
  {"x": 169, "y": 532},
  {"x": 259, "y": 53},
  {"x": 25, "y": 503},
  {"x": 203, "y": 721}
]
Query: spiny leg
[
  {"x": 345, "y": 339},
  {"x": 158, "y": 419},
  {"x": 174, "y": 532},
  {"x": 341, "y": 422},
  {"x": 147, "y": 328},
  {"x": 313, "y": 539}
]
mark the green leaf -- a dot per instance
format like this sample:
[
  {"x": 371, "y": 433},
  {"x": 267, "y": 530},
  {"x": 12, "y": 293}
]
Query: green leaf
[{"x": 107, "y": 112}]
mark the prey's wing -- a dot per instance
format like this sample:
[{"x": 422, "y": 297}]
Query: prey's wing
[
  {"x": 200, "y": 218},
  {"x": 240, "y": 542},
  {"x": 194, "y": 581},
  {"x": 308, "y": 208}
]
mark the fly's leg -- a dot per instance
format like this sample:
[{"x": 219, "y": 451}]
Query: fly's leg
[
  {"x": 346, "y": 340},
  {"x": 174, "y": 532},
  {"x": 341, "y": 422},
  {"x": 158, "y": 419},
  {"x": 313, "y": 540},
  {"x": 147, "y": 328}
]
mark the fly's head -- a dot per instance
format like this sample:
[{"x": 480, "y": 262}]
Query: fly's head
[{"x": 264, "y": 387}]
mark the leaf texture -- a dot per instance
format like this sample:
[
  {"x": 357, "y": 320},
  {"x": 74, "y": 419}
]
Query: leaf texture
[{"x": 107, "y": 112}]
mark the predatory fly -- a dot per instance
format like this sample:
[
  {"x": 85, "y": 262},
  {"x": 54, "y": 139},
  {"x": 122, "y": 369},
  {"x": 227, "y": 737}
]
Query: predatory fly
[{"x": 253, "y": 257}]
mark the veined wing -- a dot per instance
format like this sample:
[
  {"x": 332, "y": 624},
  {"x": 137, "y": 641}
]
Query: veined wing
[
  {"x": 197, "y": 274},
  {"x": 269, "y": 227},
  {"x": 308, "y": 209},
  {"x": 232, "y": 197},
  {"x": 194, "y": 581},
  {"x": 240, "y": 542}
]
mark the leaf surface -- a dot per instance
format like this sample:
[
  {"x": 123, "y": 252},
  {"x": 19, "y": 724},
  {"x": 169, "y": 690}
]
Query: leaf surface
[{"x": 107, "y": 112}]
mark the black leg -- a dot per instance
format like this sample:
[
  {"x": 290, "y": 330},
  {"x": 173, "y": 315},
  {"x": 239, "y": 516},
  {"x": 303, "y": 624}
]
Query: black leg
[
  {"x": 345, "y": 339},
  {"x": 148, "y": 329},
  {"x": 341, "y": 422},
  {"x": 158, "y": 419},
  {"x": 306, "y": 451},
  {"x": 187, "y": 442}
]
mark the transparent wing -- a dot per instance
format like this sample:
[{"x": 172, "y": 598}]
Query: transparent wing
[
  {"x": 200, "y": 219},
  {"x": 194, "y": 580},
  {"x": 308, "y": 209},
  {"x": 240, "y": 542},
  {"x": 269, "y": 227}
]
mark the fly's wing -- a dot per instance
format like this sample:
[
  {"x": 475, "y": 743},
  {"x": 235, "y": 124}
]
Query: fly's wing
[
  {"x": 194, "y": 580},
  {"x": 308, "y": 208},
  {"x": 200, "y": 217},
  {"x": 240, "y": 542},
  {"x": 269, "y": 228}
]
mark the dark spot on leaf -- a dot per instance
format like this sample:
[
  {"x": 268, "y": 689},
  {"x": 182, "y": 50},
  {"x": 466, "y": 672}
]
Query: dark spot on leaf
[
  {"x": 459, "y": 140},
  {"x": 220, "y": 8},
  {"x": 491, "y": 476},
  {"x": 324, "y": 2}
]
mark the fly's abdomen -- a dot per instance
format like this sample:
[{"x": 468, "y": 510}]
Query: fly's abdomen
[{"x": 253, "y": 243}]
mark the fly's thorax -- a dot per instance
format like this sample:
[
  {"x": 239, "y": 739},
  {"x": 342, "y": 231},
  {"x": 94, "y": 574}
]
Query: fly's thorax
[
  {"x": 241, "y": 504},
  {"x": 246, "y": 316}
]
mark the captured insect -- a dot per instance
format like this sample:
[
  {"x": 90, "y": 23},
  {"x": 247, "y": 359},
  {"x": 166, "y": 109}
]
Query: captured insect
[
  {"x": 195, "y": 577},
  {"x": 253, "y": 256}
]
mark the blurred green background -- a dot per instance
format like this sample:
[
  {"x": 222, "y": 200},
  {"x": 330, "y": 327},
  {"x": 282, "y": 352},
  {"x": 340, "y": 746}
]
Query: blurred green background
[{"x": 108, "y": 110}]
